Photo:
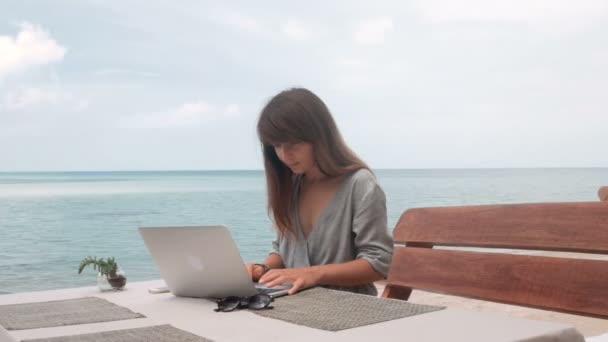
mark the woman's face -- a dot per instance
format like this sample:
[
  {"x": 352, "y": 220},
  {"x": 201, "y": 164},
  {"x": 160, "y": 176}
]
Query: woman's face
[{"x": 296, "y": 156}]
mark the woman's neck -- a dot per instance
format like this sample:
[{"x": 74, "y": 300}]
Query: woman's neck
[{"x": 315, "y": 176}]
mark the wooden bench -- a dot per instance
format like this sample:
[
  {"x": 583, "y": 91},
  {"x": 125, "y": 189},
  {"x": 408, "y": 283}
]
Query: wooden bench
[
  {"x": 602, "y": 193},
  {"x": 564, "y": 284}
]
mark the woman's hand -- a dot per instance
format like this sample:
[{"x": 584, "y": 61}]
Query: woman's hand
[
  {"x": 299, "y": 278},
  {"x": 255, "y": 271}
]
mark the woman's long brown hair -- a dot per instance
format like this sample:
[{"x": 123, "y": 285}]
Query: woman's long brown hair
[{"x": 298, "y": 115}]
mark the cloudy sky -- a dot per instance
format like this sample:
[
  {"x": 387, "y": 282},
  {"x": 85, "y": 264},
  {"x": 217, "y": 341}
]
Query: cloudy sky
[{"x": 162, "y": 85}]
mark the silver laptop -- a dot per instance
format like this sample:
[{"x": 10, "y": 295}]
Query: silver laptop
[{"x": 202, "y": 261}]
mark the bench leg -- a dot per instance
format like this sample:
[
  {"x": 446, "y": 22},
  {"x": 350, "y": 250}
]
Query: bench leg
[{"x": 397, "y": 292}]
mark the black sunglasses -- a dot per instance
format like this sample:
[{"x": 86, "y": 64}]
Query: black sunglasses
[{"x": 256, "y": 302}]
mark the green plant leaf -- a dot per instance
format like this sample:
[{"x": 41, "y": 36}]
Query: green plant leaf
[{"x": 106, "y": 267}]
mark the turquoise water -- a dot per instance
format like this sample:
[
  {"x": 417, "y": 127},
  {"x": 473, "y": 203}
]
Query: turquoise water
[{"x": 49, "y": 221}]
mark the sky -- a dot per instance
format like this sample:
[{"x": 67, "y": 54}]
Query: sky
[{"x": 166, "y": 85}]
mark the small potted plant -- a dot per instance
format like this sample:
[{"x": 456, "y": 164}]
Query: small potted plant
[{"x": 109, "y": 277}]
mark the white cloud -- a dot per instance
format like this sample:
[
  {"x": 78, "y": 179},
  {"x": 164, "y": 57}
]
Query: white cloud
[
  {"x": 350, "y": 63},
  {"x": 187, "y": 115},
  {"x": 293, "y": 29},
  {"x": 232, "y": 110},
  {"x": 30, "y": 98},
  {"x": 373, "y": 31},
  {"x": 125, "y": 72},
  {"x": 241, "y": 22},
  {"x": 31, "y": 47},
  {"x": 546, "y": 15}
]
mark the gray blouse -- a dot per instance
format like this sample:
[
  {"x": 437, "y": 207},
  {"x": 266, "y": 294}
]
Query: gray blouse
[{"x": 352, "y": 226}]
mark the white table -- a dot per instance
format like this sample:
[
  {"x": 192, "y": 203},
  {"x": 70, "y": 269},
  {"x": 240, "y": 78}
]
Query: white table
[{"x": 197, "y": 316}]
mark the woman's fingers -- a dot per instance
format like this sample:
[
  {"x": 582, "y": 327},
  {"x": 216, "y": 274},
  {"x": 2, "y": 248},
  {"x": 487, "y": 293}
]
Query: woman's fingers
[
  {"x": 278, "y": 281},
  {"x": 297, "y": 277},
  {"x": 297, "y": 285},
  {"x": 269, "y": 276}
]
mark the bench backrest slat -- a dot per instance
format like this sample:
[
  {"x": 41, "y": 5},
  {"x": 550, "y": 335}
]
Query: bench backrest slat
[
  {"x": 575, "y": 285},
  {"x": 575, "y": 227}
]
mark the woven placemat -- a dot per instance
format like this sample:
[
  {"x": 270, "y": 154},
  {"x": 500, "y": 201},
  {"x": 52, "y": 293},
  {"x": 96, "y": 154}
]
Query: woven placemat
[
  {"x": 62, "y": 312},
  {"x": 333, "y": 310},
  {"x": 157, "y": 333}
]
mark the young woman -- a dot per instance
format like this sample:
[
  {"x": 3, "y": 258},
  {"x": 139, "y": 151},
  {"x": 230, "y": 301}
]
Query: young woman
[{"x": 325, "y": 203}]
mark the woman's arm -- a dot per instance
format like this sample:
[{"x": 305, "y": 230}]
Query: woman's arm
[
  {"x": 345, "y": 274},
  {"x": 273, "y": 261},
  {"x": 350, "y": 273}
]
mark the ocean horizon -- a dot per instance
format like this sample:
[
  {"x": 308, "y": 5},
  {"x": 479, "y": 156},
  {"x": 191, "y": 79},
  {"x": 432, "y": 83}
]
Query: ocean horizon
[{"x": 50, "y": 220}]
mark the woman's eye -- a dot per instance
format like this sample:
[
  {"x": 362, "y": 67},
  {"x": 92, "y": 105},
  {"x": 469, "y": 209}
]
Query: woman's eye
[{"x": 287, "y": 145}]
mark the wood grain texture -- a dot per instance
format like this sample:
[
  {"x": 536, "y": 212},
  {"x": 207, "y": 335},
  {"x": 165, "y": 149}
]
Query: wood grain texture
[
  {"x": 575, "y": 227},
  {"x": 397, "y": 292},
  {"x": 561, "y": 284},
  {"x": 602, "y": 193}
]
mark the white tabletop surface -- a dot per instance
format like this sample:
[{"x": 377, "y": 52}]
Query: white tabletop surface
[{"x": 197, "y": 316}]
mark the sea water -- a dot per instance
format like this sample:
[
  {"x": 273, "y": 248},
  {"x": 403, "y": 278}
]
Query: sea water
[{"x": 50, "y": 221}]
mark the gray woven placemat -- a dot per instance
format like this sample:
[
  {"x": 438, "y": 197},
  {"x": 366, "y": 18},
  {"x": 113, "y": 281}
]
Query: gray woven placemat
[
  {"x": 157, "y": 333},
  {"x": 62, "y": 312},
  {"x": 333, "y": 310}
]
